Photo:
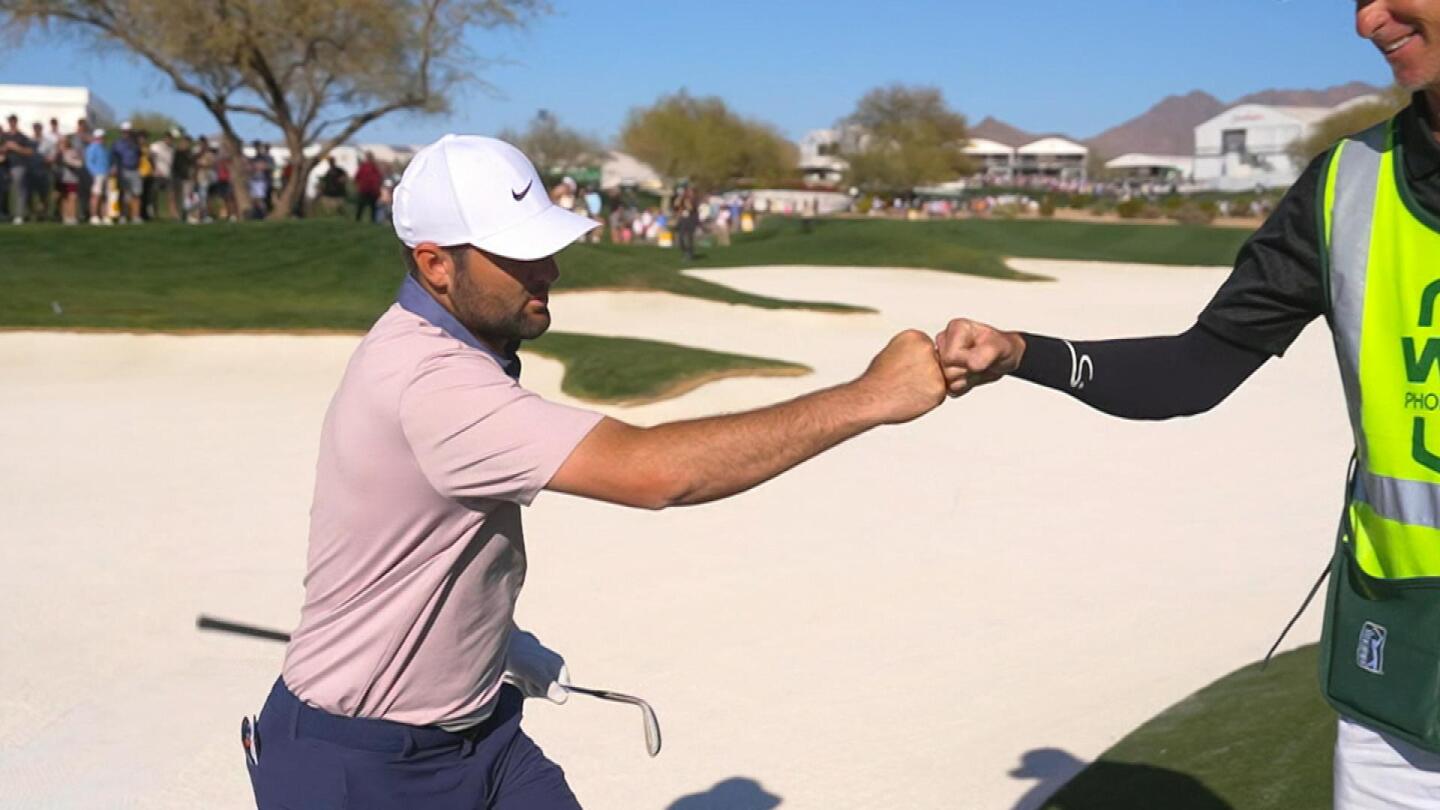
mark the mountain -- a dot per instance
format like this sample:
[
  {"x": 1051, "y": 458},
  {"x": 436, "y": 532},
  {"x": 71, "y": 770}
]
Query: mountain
[
  {"x": 994, "y": 129},
  {"x": 1168, "y": 128},
  {"x": 1329, "y": 97}
]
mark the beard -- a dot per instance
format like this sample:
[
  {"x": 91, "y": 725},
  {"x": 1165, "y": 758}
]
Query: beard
[{"x": 505, "y": 319}]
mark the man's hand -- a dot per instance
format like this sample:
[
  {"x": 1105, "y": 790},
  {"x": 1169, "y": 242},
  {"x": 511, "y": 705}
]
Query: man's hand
[
  {"x": 973, "y": 354},
  {"x": 904, "y": 379}
]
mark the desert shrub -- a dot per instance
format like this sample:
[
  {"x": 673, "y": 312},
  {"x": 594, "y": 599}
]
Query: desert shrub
[{"x": 1192, "y": 213}]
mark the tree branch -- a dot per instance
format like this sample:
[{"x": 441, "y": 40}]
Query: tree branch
[
  {"x": 113, "y": 29},
  {"x": 355, "y": 123},
  {"x": 259, "y": 112}
]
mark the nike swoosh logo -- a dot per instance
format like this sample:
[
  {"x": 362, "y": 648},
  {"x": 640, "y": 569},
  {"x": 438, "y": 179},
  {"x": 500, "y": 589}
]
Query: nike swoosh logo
[{"x": 520, "y": 195}]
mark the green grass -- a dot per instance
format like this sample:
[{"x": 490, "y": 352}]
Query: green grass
[
  {"x": 290, "y": 275},
  {"x": 1251, "y": 741},
  {"x": 335, "y": 275},
  {"x": 862, "y": 243},
  {"x": 975, "y": 246},
  {"x": 626, "y": 370}
]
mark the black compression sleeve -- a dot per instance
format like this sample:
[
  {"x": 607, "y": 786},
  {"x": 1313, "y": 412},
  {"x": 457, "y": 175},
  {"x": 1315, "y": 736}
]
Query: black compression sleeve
[{"x": 1142, "y": 378}]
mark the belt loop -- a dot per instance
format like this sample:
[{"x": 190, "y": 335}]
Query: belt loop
[
  {"x": 294, "y": 718},
  {"x": 467, "y": 742},
  {"x": 410, "y": 745}
]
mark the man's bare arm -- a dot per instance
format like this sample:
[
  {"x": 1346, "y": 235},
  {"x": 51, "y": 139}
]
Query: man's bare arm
[{"x": 702, "y": 460}]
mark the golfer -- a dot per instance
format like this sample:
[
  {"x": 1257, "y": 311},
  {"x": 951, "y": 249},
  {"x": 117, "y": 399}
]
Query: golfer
[
  {"x": 1356, "y": 240},
  {"x": 391, "y": 693}
]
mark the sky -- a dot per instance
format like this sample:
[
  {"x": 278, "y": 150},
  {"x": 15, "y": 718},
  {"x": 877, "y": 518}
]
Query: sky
[{"x": 1072, "y": 66}]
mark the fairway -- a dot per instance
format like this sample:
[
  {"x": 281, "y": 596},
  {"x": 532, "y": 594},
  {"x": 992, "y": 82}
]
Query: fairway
[{"x": 965, "y": 245}]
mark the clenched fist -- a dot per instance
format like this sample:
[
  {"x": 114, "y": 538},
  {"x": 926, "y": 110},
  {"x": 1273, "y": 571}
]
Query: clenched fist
[
  {"x": 904, "y": 379},
  {"x": 972, "y": 354}
]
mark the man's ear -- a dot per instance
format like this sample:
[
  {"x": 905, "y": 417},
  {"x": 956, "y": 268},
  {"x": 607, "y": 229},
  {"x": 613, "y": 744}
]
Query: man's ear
[{"x": 436, "y": 267}]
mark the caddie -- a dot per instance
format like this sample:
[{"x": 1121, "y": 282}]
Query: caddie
[
  {"x": 393, "y": 693},
  {"x": 1356, "y": 241}
]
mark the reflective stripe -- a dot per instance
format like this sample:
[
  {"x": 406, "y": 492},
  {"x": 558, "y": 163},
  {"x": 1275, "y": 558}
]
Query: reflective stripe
[
  {"x": 1413, "y": 502},
  {"x": 1389, "y": 549},
  {"x": 1355, "y": 174}
]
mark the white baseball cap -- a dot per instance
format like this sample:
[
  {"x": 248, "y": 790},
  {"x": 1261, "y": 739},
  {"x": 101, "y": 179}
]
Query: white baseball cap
[{"x": 466, "y": 189}]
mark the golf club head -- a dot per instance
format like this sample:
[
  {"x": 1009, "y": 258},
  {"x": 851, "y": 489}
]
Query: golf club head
[
  {"x": 652, "y": 729},
  {"x": 647, "y": 714}
]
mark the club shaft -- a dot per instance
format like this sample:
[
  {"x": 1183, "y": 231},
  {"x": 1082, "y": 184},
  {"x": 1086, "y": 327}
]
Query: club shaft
[{"x": 209, "y": 623}]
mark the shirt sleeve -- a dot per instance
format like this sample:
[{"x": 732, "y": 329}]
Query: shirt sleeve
[
  {"x": 1277, "y": 286},
  {"x": 477, "y": 434}
]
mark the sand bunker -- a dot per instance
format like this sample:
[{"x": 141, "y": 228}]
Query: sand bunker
[{"x": 892, "y": 625}]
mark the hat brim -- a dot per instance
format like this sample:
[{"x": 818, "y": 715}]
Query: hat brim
[{"x": 542, "y": 235}]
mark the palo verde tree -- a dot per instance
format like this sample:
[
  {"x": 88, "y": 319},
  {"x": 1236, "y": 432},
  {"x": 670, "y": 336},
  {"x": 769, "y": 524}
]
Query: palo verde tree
[
  {"x": 318, "y": 71},
  {"x": 901, "y": 137},
  {"x": 554, "y": 147},
  {"x": 702, "y": 140}
]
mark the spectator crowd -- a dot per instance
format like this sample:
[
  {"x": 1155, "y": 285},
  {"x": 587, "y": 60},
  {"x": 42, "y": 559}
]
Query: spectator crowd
[
  {"x": 677, "y": 221},
  {"x": 89, "y": 175}
]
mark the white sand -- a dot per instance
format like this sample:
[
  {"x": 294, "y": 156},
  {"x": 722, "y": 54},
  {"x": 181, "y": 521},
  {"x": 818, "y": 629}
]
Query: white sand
[{"x": 892, "y": 625}]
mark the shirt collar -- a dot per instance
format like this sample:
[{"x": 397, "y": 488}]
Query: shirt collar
[
  {"x": 1422, "y": 153},
  {"x": 416, "y": 300}
]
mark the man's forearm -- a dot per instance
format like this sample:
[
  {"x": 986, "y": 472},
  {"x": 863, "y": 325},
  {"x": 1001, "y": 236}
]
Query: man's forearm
[
  {"x": 718, "y": 456},
  {"x": 1142, "y": 378},
  {"x": 700, "y": 460}
]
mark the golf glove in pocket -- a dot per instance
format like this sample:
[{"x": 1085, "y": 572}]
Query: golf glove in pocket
[{"x": 535, "y": 669}]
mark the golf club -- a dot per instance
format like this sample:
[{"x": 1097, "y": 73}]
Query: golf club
[{"x": 647, "y": 714}]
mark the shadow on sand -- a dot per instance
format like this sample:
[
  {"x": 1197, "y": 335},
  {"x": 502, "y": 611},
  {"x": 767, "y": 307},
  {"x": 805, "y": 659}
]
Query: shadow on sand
[
  {"x": 1067, "y": 783},
  {"x": 735, "y": 793}
]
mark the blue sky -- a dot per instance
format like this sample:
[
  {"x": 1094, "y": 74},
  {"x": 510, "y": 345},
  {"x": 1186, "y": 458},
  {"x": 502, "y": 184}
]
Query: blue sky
[{"x": 1075, "y": 66}]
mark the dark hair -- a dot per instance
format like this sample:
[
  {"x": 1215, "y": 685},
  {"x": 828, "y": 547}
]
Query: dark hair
[{"x": 457, "y": 254}]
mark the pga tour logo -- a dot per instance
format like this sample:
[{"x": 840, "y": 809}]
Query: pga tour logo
[{"x": 1370, "y": 652}]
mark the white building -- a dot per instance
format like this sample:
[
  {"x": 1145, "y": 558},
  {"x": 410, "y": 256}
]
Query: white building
[
  {"x": 34, "y": 102},
  {"x": 820, "y": 161},
  {"x": 621, "y": 170},
  {"x": 1248, "y": 146},
  {"x": 1164, "y": 168},
  {"x": 993, "y": 160},
  {"x": 1052, "y": 158}
]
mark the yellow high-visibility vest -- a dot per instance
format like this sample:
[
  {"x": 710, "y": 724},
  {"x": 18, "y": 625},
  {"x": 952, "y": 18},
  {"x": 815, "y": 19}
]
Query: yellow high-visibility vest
[{"x": 1383, "y": 256}]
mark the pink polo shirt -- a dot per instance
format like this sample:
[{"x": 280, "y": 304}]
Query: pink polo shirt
[{"x": 416, "y": 553}]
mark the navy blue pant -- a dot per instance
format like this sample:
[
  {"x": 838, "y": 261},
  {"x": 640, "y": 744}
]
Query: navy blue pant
[{"x": 313, "y": 760}]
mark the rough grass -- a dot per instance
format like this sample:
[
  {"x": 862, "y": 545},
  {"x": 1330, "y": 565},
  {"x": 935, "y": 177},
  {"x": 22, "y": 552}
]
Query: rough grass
[
  {"x": 630, "y": 371},
  {"x": 1252, "y": 740}
]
